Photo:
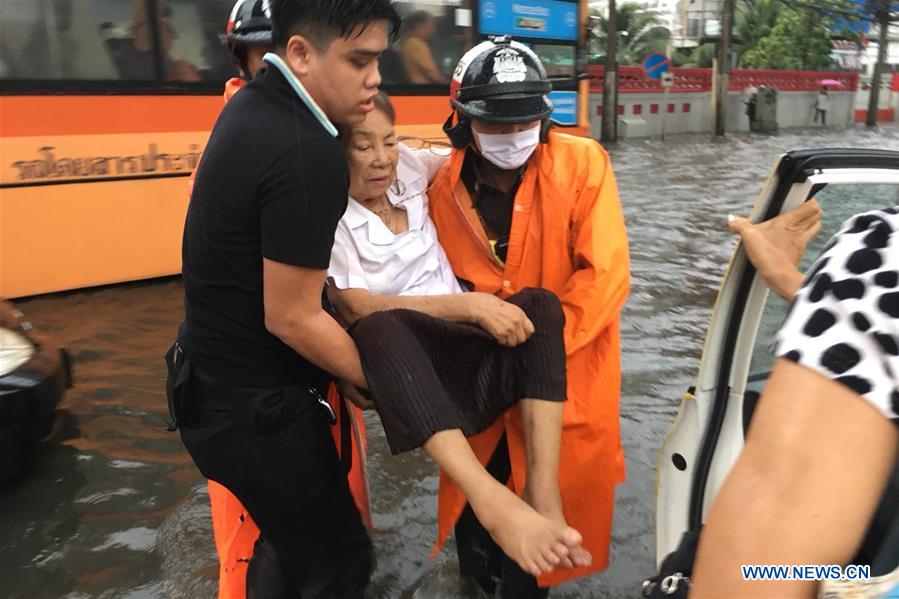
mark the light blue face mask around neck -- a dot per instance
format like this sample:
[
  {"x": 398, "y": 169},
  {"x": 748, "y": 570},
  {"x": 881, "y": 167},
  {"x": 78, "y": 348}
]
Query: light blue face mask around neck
[{"x": 277, "y": 62}]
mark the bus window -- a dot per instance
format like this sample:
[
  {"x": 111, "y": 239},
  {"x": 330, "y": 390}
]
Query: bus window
[
  {"x": 97, "y": 40},
  {"x": 434, "y": 37},
  {"x": 74, "y": 40},
  {"x": 195, "y": 52},
  {"x": 559, "y": 60}
]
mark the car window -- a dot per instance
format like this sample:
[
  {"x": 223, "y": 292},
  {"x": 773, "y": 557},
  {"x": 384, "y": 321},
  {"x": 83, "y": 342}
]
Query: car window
[{"x": 839, "y": 203}]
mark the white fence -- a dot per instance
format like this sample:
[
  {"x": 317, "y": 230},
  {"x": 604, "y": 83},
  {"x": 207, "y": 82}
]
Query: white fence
[{"x": 640, "y": 114}]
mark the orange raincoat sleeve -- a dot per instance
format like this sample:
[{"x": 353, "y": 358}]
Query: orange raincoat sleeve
[{"x": 594, "y": 295}]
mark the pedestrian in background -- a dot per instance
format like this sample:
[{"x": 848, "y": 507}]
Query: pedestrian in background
[
  {"x": 822, "y": 105},
  {"x": 415, "y": 49},
  {"x": 750, "y": 96}
]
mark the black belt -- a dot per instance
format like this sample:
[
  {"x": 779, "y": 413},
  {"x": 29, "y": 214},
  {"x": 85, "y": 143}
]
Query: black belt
[{"x": 180, "y": 371}]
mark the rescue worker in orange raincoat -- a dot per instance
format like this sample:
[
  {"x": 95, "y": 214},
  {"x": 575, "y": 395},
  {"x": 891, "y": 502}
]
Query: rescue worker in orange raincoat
[
  {"x": 248, "y": 38},
  {"x": 517, "y": 206}
]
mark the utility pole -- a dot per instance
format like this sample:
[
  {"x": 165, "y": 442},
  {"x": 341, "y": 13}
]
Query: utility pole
[
  {"x": 883, "y": 21},
  {"x": 722, "y": 70},
  {"x": 610, "y": 80}
]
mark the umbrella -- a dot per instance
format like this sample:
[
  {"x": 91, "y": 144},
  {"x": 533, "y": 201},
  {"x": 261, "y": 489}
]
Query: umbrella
[{"x": 830, "y": 82}]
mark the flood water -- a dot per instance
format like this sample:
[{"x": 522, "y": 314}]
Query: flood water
[{"x": 115, "y": 508}]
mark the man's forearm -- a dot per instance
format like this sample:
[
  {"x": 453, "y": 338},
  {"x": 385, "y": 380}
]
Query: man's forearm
[
  {"x": 455, "y": 307},
  {"x": 322, "y": 341}
]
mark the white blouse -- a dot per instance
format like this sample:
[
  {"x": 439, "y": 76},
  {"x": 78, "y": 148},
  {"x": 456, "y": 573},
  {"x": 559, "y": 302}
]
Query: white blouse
[{"x": 368, "y": 255}]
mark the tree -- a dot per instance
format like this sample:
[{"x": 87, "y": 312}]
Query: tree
[
  {"x": 848, "y": 15},
  {"x": 886, "y": 13},
  {"x": 610, "y": 79},
  {"x": 800, "y": 39},
  {"x": 755, "y": 20},
  {"x": 843, "y": 19},
  {"x": 700, "y": 56},
  {"x": 639, "y": 33}
]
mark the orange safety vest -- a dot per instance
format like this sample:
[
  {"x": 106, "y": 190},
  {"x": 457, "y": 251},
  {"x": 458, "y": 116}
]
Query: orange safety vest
[
  {"x": 567, "y": 236},
  {"x": 232, "y": 86},
  {"x": 234, "y": 531}
]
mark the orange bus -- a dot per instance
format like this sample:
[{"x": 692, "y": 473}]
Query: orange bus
[{"x": 106, "y": 105}]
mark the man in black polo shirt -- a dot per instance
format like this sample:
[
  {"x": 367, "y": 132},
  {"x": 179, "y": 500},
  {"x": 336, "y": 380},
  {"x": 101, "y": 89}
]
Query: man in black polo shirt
[{"x": 254, "y": 353}]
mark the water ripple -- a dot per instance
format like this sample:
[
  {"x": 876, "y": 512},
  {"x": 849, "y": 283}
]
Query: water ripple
[{"x": 115, "y": 508}]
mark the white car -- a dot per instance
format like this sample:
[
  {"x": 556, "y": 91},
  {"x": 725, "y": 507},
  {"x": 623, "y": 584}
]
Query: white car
[
  {"x": 707, "y": 435},
  {"x": 34, "y": 374}
]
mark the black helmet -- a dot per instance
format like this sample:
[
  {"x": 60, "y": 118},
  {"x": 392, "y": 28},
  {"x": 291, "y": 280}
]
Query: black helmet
[
  {"x": 501, "y": 81},
  {"x": 250, "y": 24}
]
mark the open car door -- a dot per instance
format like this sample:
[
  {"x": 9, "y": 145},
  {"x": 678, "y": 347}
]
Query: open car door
[{"x": 708, "y": 432}]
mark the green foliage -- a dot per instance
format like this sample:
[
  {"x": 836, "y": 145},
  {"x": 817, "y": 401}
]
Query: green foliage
[
  {"x": 700, "y": 56},
  {"x": 754, "y": 20},
  {"x": 796, "y": 34},
  {"x": 639, "y": 33},
  {"x": 798, "y": 39}
]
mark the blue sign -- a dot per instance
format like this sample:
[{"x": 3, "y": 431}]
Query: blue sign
[
  {"x": 544, "y": 19},
  {"x": 564, "y": 108},
  {"x": 656, "y": 64},
  {"x": 857, "y": 18}
]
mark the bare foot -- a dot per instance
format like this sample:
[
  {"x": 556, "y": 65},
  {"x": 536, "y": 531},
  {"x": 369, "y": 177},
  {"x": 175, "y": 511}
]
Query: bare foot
[
  {"x": 547, "y": 501},
  {"x": 536, "y": 543},
  {"x": 775, "y": 247}
]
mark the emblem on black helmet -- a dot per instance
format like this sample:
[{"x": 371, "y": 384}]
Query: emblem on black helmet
[
  {"x": 501, "y": 81},
  {"x": 508, "y": 66}
]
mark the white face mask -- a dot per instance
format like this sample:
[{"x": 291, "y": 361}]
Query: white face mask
[{"x": 508, "y": 151}]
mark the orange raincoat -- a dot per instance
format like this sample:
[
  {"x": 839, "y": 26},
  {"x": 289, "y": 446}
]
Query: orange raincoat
[
  {"x": 234, "y": 531},
  {"x": 567, "y": 236}
]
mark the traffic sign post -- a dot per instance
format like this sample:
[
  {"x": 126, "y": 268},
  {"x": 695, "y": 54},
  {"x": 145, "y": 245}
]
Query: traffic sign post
[{"x": 658, "y": 66}]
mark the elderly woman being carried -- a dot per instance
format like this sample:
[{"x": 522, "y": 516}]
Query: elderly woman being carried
[{"x": 443, "y": 364}]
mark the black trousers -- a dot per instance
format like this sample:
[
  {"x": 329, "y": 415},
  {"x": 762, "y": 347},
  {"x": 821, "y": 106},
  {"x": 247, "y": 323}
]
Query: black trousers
[
  {"x": 271, "y": 447},
  {"x": 481, "y": 561},
  {"x": 822, "y": 114}
]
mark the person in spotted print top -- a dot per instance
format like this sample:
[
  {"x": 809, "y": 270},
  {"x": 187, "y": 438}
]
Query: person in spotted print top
[
  {"x": 845, "y": 321},
  {"x": 823, "y": 441}
]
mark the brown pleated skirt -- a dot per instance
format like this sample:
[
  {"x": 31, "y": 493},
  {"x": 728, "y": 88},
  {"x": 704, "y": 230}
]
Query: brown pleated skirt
[{"x": 426, "y": 374}]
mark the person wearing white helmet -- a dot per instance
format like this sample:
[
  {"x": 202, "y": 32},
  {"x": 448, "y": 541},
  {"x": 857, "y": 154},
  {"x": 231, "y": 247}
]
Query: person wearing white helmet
[
  {"x": 248, "y": 35},
  {"x": 519, "y": 206}
]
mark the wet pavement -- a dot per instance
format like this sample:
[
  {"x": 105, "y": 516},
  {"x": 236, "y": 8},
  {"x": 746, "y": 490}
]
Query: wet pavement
[{"x": 115, "y": 508}]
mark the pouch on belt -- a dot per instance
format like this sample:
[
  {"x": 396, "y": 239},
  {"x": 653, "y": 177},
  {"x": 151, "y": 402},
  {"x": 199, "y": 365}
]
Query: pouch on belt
[{"x": 179, "y": 370}]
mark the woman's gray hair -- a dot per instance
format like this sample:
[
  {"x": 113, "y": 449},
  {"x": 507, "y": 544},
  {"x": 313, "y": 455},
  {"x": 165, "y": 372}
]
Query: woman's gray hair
[{"x": 382, "y": 102}]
